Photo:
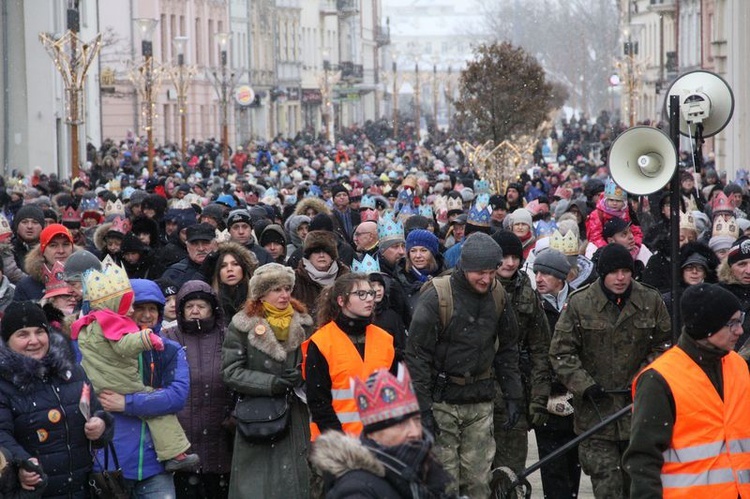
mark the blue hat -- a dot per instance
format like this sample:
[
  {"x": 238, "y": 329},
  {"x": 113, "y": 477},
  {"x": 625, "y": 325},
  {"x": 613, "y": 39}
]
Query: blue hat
[{"x": 424, "y": 238}]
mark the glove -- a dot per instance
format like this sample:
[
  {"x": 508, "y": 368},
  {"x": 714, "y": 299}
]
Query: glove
[
  {"x": 539, "y": 414},
  {"x": 156, "y": 342},
  {"x": 594, "y": 392},
  {"x": 293, "y": 376},
  {"x": 280, "y": 385},
  {"x": 429, "y": 424},
  {"x": 513, "y": 410}
]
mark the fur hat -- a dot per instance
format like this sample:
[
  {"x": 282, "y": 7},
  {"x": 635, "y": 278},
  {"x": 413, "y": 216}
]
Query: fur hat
[
  {"x": 268, "y": 277},
  {"x": 706, "y": 308},
  {"x": 320, "y": 240}
]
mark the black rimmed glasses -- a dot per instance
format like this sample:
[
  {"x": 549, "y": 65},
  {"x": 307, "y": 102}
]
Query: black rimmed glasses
[{"x": 363, "y": 294}]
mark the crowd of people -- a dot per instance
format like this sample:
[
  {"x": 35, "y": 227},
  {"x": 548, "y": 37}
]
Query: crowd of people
[{"x": 372, "y": 319}]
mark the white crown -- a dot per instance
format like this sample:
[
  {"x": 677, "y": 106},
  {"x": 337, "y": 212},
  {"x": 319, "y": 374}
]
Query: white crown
[{"x": 567, "y": 244}]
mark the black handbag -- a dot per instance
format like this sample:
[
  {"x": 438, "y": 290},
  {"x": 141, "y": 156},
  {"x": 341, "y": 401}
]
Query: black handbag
[
  {"x": 108, "y": 484},
  {"x": 262, "y": 419}
]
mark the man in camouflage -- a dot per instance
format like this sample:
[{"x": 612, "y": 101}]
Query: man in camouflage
[
  {"x": 533, "y": 342},
  {"x": 607, "y": 332},
  {"x": 454, "y": 365}
]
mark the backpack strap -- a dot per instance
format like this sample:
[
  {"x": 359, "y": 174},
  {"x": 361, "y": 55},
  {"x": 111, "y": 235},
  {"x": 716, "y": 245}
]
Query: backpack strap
[{"x": 442, "y": 285}]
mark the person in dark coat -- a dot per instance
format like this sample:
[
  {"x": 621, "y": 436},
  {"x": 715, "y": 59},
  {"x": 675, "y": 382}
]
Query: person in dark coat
[
  {"x": 261, "y": 358},
  {"x": 27, "y": 226},
  {"x": 734, "y": 276},
  {"x": 240, "y": 227},
  {"x": 385, "y": 316},
  {"x": 200, "y": 330},
  {"x": 698, "y": 264},
  {"x": 393, "y": 457},
  {"x": 324, "y": 222},
  {"x": 55, "y": 245},
  {"x": 137, "y": 258},
  {"x": 228, "y": 270},
  {"x": 201, "y": 241},
  {"x": 40, "y": 392}
]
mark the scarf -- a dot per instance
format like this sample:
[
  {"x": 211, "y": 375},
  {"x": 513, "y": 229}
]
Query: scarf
[
  {"x": 557, "y": 302},
  {"x": 324, "y": 278},
  {"x": 621, "y": 213},
  {"x": 279, "y": 319}
]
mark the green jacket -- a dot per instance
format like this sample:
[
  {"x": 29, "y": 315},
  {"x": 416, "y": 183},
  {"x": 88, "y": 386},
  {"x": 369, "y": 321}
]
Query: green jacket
[{"x": 596, "y": 343}]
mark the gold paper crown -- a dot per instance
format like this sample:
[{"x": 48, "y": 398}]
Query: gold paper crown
[
  {"x": 114, "y": 186},
  {"x": 180, "y": 204},
  {"x": 687, "y": 221},
  {"x": 455, "y": 204},
  {"x": 115, "y": 208},
  {"x": 725, "y": 227},
  {"x": 567, "y": 244},
  {"x": 111, "y": 282},
  {"x": 5, "y": 230}
]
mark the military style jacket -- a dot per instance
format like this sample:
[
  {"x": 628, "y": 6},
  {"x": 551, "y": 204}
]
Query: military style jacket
[{"x": 596, "y": 343}]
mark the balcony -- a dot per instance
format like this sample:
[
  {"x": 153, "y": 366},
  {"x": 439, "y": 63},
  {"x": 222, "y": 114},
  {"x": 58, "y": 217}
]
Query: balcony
[
  {"x": 327, "y": 7},
  {"x": 347, "y": 8},
  {"x": 662, "y": 6},
  {"x": 382, "y": 35},
  {"x": 350, "y": 72}
]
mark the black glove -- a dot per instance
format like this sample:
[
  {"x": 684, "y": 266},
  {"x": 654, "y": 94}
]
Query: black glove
[
  {"x": 594, "y": 392},
  {"x": 293, "y": 376},
  {"x": 280, "y": 385},
  {"x": 513, "y": 410}
]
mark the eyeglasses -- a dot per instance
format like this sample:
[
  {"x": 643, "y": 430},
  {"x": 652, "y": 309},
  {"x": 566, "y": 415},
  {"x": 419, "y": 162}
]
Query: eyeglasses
[
  {"x": 363, "y": 295},
  {"x": 358, "y": 234},
  {"x": 736, "y": 322}
]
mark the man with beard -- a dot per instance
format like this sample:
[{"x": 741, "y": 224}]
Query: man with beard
[{"x": 201, "y": 240}]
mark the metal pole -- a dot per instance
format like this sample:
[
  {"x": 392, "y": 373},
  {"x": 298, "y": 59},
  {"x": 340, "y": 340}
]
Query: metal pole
[
  {"x": 418, "y": 102},
  {"x": 148, "y": 53},
  {"x": 435, "y": 96},
  {"x": 448, "y": 89},
  {"x": 181, "y": 97},
  {"x": 395, "y": 101},
  {"x": 674, "y": 215},
  {"x": 224, "y": 111}
]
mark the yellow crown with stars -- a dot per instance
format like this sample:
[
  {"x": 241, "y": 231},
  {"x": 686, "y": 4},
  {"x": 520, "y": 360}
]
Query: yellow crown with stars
[
  {"x": 111, "y": 282},
  {"x": 567, "y": 244}
]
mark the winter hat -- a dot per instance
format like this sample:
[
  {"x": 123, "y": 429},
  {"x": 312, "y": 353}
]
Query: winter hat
[
  {"x": 167, "y": 286},
  {"x": 132, "y": 244},
  {"x": 215, "y": 211},
  {"x": 719, "y": 243},
  {"x": 385, "y": 400},
  {"x": 201, "y": 232},
  {"x": 739, "y": 251},
  {"x": 552, "y": 262},
  {"x": 706, "y": 308},
  {"x": 52, "y": 231},
  {"x": 613, "y": 226},
  {"x": 22, "y": 314},
  {"x": 424, "y": 238},
  {"x": 613, "y": 257},
  {"x": 732, "y": 188},
  {"x": 321, "y": 221},
  {"x": 268, "y": 277},
  {"x": 273, "y": 234},
  {"x": 338, "y": 188},
  {"x": 78, "y": 263},
  {"x": 480, "y": 252},
  {"x": 28, "y": 211},
  {"x": 509, "y": 243},
  {"x": 521, "y": 216},
  {"x": 695, "y": 259},
  {"x": 236, "y": 216},
  {"x": 415, "y": 222},
  {"x": 320, "y": 240}
]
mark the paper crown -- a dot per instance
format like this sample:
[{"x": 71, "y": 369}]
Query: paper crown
[
  {"x": 369, "y": 215},
  {"x": 54, "y": 280},
  {"x": 5, "y": 231},
  {"x": 114, "y": 185},
  {"x": 614, "y": 191},
  {"x": 545, "y": 228},
  {"x": 70, "y": 214},
  {"x": 563, "y": 193},
  {"x": 116, "y": 208},
  {"x": 721, "y": 204},
  {"x": 455, "y": 204},
  {"x": 406, "y": 197},
  {"x": 384, "y": 399},
  {"x": 482, "y": 187},
  {"x": 479, "y": 217},
  {"x": 390, "y": 229},
  {"x": 368, "y": 265},
  {"x": 482, "y": 201},
  {"x": 687, "y": 221},
  {"x": 91, "y": 205},
  {"x": 725, "y": 228},
  {"x": 121, "y": 225},
  {"x": 367, "y": 202},
  {"x": 535, "y": 207},
  {"x": 567, "y": 244},
  {"x": 111, "y": 282},
  {"x": 426, "y": 211}
]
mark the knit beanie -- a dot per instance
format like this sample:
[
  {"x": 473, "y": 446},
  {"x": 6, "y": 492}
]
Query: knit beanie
[
  {"x": 28, "y": 211},
  {"x": 338, "y": 188},
  {"x": 718, "y": 243},
  {"x": 552, "y": 262},
  {"x": 22, "y": 314},
  {"x": 509, "y": 243},
  {"x": 236, "y": 216},
  {"x": 706, "y": 308},
  {"x": 614, "y": 257},
  {"x": 521, "y": 216},
  {"x": 268, "y": 277},
  {"x": 424, "y": 238},
  {"x": 52, "y": 231},
  {"x": 480, "y": 252},
  {"x": 739, "y": 251},
  {"x": 321, "y": 221},
  {"x": 320, "y": 240},
  {"x": 78, "y": 263}
]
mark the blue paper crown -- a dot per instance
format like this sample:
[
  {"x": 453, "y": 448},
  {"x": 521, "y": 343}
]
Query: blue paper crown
[
  {"x": 88, "y": 205},
  {"x": 389, "y": 229},
  {"x": 479, "y": 216},
  {"x": 545, "y": 228},
  {"x": 367, "y": 202},
  {"x": 368, "y": 265},
  {"x": 481, "y": 187},
  {"x": 426, "y": 211},
  {"x": 612, "y": 190},
  {"x": 482, "y": 201}
]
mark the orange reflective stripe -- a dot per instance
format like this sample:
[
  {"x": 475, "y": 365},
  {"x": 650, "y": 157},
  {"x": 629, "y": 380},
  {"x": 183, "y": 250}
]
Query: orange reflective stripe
[
  {"x": 344, "y": 362},
  {"x": 709, "y": 454}
]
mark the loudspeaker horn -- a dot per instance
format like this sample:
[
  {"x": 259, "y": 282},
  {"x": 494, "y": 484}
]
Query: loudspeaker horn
[
  {"x": 642, "y": 160},
  {"x": 704, "y": 98}
]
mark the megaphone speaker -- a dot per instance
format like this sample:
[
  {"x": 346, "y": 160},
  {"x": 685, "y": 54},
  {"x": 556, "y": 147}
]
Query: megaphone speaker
[
  {"x": 705, "y": 98},
  {"x": 642, "y": 160}
]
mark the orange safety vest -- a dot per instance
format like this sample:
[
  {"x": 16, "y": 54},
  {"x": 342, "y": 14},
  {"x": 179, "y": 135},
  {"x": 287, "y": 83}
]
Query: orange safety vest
[
  {"x": 344, "y": 362},
  {"x": 709, "y": 455}
]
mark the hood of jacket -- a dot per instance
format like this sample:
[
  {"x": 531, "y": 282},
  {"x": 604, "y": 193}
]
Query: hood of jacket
[
  {"x": 195, "y": 286},
  {"x": 291, "y": 226},
  {"x": 336, "y": 454},
  {"x": 316, "y": 204},
  {"x": 24, "y": 372},
  {"x": 100, "y": 234}
]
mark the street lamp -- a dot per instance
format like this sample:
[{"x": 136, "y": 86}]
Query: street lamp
[
  {"x": 327, "y": 104},
  {"x": 181, "y": 74},
  {"x": 395, "y": 101},
  {"x": 435, "y": 85},
  {"x": 72, "y": 59},
  {"x": 145, "y": 27},
  {"x": 417, "y": 99},
  {"x": 224, "y": 82}
]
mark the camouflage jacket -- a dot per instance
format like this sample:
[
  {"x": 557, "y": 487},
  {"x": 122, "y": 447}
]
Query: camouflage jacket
[{"x": 596, "y": 343}]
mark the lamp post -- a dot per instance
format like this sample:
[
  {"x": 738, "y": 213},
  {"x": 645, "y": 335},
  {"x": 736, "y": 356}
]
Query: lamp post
[
  {"x": 72, "y": 59},
  {"x": 181, "y": 74},
  {"x": 448, "y": 97},
  {"x": 145, "y": 27},
  {"x": 435, "y": 97},
  {"x": 223, "y": 85},
  {"x": 418, "y": 103},
  {"x": 327, "y": 94},
  {"x": 395, "y": 100}
]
